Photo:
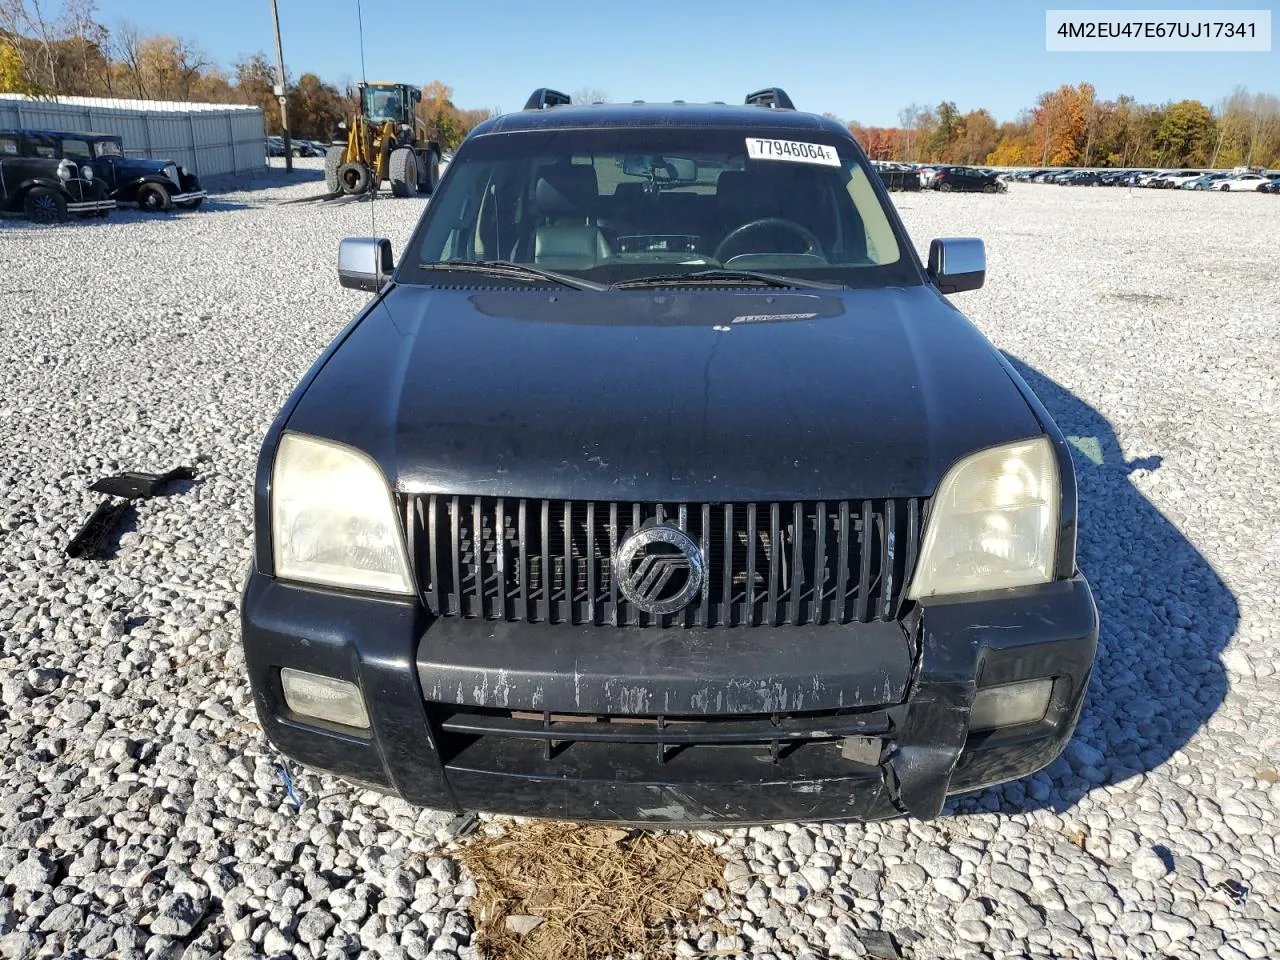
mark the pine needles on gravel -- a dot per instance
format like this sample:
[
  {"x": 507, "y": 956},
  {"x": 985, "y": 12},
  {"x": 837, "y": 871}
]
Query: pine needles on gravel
[{"x": 575, "y": 892}]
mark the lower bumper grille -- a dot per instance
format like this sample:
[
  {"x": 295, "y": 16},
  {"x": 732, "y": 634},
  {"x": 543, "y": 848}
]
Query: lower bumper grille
[
  {"x": 767, "y": 564},
  {"x": 773, "y": 735}
]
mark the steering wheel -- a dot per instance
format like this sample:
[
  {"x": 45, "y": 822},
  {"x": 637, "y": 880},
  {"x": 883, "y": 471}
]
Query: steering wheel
[{"x": 812, "y": 244}]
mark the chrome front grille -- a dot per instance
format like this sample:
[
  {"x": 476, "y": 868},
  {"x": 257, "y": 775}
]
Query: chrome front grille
[{"x": 768, "y": 564}]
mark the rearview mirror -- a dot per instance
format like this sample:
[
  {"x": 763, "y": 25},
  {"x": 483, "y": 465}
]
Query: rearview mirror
[
  {"x": 661, "y": 169},
  {"x": 364, "y": 263},
  {"x": 957, "y": 263}
]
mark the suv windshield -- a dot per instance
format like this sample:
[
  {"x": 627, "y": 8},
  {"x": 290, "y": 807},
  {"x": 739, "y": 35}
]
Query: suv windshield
[{"x": 609, "y": 205}]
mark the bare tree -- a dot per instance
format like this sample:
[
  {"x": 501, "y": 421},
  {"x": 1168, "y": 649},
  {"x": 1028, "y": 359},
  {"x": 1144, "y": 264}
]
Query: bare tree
[
  {"x": 128, "y": 43},
  {"x": 909, "y": 119},
  {"x": 26, "y": 18},
  {"x": 590, "y": 95},
  {"x": 89, "y": 41},
  {"x": 190, "y": 64}
]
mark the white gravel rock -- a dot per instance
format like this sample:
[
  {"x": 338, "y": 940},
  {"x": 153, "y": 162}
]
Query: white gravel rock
[
  {"x": 1148, "y": 865},
  {"x": 142, "y": 814}
]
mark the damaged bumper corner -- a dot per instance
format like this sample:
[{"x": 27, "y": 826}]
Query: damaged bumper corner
[{"x": 673, "y": 727}]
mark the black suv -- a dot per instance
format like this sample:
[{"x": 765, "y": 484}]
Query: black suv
[
  {"x": 659, "y": 482},
  {"x": 966, "y": 178}
]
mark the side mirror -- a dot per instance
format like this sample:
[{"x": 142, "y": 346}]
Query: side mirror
[
  {"x": 364, "y": 263},
  {"x": 957, "y": 263}
]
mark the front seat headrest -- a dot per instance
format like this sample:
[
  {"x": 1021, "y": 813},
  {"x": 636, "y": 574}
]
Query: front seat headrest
[{"x": 566, "y": 190}]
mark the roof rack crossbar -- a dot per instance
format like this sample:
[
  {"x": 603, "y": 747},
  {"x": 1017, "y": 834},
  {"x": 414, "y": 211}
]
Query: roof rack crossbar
[
  {"x": 545, "y": 97},
  {"x": 774, "y": 97}
]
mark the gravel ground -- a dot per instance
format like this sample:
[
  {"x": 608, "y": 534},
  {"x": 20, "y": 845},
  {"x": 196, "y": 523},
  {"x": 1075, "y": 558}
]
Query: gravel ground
[{"x": 141, "y": 814}]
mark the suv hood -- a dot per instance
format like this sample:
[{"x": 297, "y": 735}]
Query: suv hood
[{"x": 670, "y": 395}]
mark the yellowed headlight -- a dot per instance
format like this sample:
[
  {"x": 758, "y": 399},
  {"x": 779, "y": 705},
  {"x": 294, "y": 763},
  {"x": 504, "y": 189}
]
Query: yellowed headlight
[
  {"x": 993, "y": 523},
  {"x": 333, "y": 520}
]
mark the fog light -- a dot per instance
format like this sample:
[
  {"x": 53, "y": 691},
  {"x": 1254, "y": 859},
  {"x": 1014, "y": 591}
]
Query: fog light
[
  {"x": 1010, "y": 704},
  {"x": 325, "y": 698}
]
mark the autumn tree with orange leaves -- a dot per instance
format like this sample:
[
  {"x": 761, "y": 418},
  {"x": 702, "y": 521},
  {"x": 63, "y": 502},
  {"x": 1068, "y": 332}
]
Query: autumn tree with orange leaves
[{"x": 1071, "y": 126}]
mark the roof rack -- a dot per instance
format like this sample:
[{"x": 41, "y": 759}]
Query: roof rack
[
  {"x": 774, "y": 97},
  {"x": 545, "y": 97}
]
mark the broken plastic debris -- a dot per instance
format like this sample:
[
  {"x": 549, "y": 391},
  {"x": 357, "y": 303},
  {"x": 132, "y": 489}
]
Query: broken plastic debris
[
  {"x": 91, "y": 539},
  {"x": 132, "y": 485},
  {"x": 1231, "y": 892},
  {"x": 880, "y": 944},
  {"x": 463, "y": 825}
]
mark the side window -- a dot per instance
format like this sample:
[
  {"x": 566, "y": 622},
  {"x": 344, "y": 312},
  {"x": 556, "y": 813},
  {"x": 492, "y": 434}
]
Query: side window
[
  {"x": 40, "y": 148},
  {"x": 77, "y": 149},
  {"x": 8, "y": 146}
]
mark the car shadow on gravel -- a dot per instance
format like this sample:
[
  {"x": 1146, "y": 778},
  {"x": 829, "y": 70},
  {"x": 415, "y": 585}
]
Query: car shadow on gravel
[{"x": 1166, "y": 617}]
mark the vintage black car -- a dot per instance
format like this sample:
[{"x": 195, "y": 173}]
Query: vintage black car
[
  {"x": 661, "y": 483},
  {"x": 156, "y": 186},
  {"x": 36, "y": 182}
]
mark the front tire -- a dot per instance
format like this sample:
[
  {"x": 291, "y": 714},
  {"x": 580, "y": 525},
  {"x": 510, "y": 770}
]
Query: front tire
[
  {"x": 431, "y": 172},
  {"x": 945, "y": 187},
  {"x": 42, "y": 205},
  {"x": 333, "y": 158},
  {"x": 153, "y": 198},
  {"x": 402, "y": 171}
]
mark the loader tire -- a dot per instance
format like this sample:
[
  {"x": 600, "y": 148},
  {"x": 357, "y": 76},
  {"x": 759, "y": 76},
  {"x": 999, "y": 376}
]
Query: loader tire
[
  {"x": 332, "y": 161},
  {"x": 354, "y": 178},
  {"x": 402, "y": 171},
  {"x": 430, "y": 172}
]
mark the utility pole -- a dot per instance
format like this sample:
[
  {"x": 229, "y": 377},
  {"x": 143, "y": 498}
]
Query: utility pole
[{"x": 280, "y": 92}]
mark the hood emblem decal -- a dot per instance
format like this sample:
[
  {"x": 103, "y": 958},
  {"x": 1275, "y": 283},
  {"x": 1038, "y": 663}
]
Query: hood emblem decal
[{"x": 660, "y": 569}]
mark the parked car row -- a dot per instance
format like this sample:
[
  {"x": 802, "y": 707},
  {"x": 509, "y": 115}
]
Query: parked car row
[
  {"x": 897, "y": 176},
  {"x": 948, "y": 178},
  {"x": 1230, "y": 181},
  {"x": 299, "y": 148},
  {"x": 49, "y": 175}
]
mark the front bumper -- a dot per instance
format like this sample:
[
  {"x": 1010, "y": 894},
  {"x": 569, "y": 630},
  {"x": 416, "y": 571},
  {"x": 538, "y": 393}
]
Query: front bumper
[
  {"x": 722, "y": 726},
  {"x": 80, "y": 208},
  {"x": 191, "y": 196}
]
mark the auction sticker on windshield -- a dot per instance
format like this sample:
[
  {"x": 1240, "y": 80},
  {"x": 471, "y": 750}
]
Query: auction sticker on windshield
[{"x": 793, "y": 150}]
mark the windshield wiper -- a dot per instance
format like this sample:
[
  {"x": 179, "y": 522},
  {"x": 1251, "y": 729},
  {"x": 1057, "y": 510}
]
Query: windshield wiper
[
  {"x": 509, "y": 270},
  {"x": 711, "y": 278}
]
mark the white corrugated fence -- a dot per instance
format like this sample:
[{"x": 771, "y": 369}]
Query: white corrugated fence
[{"x": 210, "y": 139}]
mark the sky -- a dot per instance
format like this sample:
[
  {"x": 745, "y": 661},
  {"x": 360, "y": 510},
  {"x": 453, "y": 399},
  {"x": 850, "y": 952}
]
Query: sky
[{"x": 860, "y": 60}]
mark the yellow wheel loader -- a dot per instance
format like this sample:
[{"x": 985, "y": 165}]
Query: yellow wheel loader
[{"x": 385, "y": 142}]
